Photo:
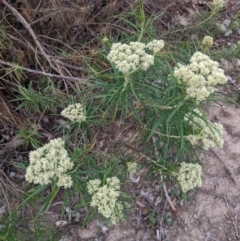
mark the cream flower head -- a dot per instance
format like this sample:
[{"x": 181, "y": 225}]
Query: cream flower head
[
  {"x": 132, "y": 167},
  {"x": 75, "y": 113},
  {"x": 207, "y": 41},
  {"x": 156, "y": 45},
  {"x": 50, "y": 163},
  {"x": 199, "y": 77},
  {"x": 105, "y": 198},
  {"x": 218, "y": 4},
  {"x": 130, "y": 57},
  {"x": 210, "y": 134},
  {"x": 189, "y": 176}
]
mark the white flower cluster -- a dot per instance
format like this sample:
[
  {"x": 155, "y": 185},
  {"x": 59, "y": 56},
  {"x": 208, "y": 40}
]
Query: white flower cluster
[
  {"x": 105, "y": 198},
  {"x": 218, "y": 4},
  {"x": 207, "y": 41},
  {"x": 129, "y": 58},
  {"x": 132, "y": 167},
  {"x": 156, "y": 45},
  {"x": 200, "y": 76},
  {"x": 50, "y": 163},
  {"x": 189, "y": 176},
  {"x": 75, "y": 113},
  {"x": 210, "y": 134}
]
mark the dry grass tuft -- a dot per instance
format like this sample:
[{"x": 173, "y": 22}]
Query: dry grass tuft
[{"x": 8, "y": 118}]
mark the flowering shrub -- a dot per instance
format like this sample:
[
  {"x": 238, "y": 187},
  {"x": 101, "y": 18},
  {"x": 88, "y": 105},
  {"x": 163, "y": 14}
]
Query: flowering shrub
[
  {"x": 200, "y": 76},
  {"x": 196, "y": 82},
  {"x": 75, "y": 113},
  {"x": 50, "y": 163},
  {"x": 105, "y": 198},
  {"x": 155, "y": 110},
  {"x": 189, "y": 176}
]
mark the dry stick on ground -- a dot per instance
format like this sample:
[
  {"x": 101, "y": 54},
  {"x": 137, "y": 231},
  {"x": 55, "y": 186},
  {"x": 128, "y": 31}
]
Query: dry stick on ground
[
  {"x": 81, "y": 80},
  {"x": 164, "y": 185},
  {"x": 28, "y": 27},
  {"x": 169, "y": 200}
]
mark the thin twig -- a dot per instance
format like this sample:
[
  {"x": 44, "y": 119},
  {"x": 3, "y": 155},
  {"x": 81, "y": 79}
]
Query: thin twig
[
  {"x": 10, "y": 185},
  {"x": 5, "y": 107},
  {"x": 169, "y": 200},
  {"x": 84, "y": 81},
  {"x": 161, "y": 220},
  {"x": 5, "y": 196},
  {"x": 29, "y": 45},
  {"x": 68, "y": 65}
]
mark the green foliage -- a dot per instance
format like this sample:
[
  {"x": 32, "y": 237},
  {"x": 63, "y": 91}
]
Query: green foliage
[
  {"x": 35, "y": 100},
  {"x": 4, "y": 41},
  {"x": 86, "y": 167},
  {"x": 17, "y": 71},
  {"x": 82, "y": 130},
  {"x": 31, "y": 136},
  {"x": 14, "y": 228},
  {"x": 153, "y": 218}
]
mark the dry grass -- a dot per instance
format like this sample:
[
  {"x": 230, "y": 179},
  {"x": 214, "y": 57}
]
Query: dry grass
[{"x": 8, "y": 117}]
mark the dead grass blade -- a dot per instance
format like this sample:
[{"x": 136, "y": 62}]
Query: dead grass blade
[
  {"x": 8, "y": 116},
  {"x": 47, "y": 74}
]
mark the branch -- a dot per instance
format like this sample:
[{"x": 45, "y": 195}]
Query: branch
[
  {"x": 84, "y": 81},
  {"x": 29, "y": 29},
  {"x": 29, "y": 45},
  {"x": 169, "y": 200}
]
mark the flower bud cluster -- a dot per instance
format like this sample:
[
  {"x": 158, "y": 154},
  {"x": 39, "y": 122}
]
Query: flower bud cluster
[
  {"x": 210, "y": 134},
  {"x": 218, "y": 4},
  {"x": 75, "y": 113},
  {"x": 105, "y": 198},
  {"x": 200, "y": 76},
  {"x": 132, "y": 167},
  {"x": 50, "y": 163},
  {"x": 129, "y": 58},
  {"x": 189, "y": 176},
  {"x": 156, "y": 45},
  {"x": 207, "y": 42}
]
